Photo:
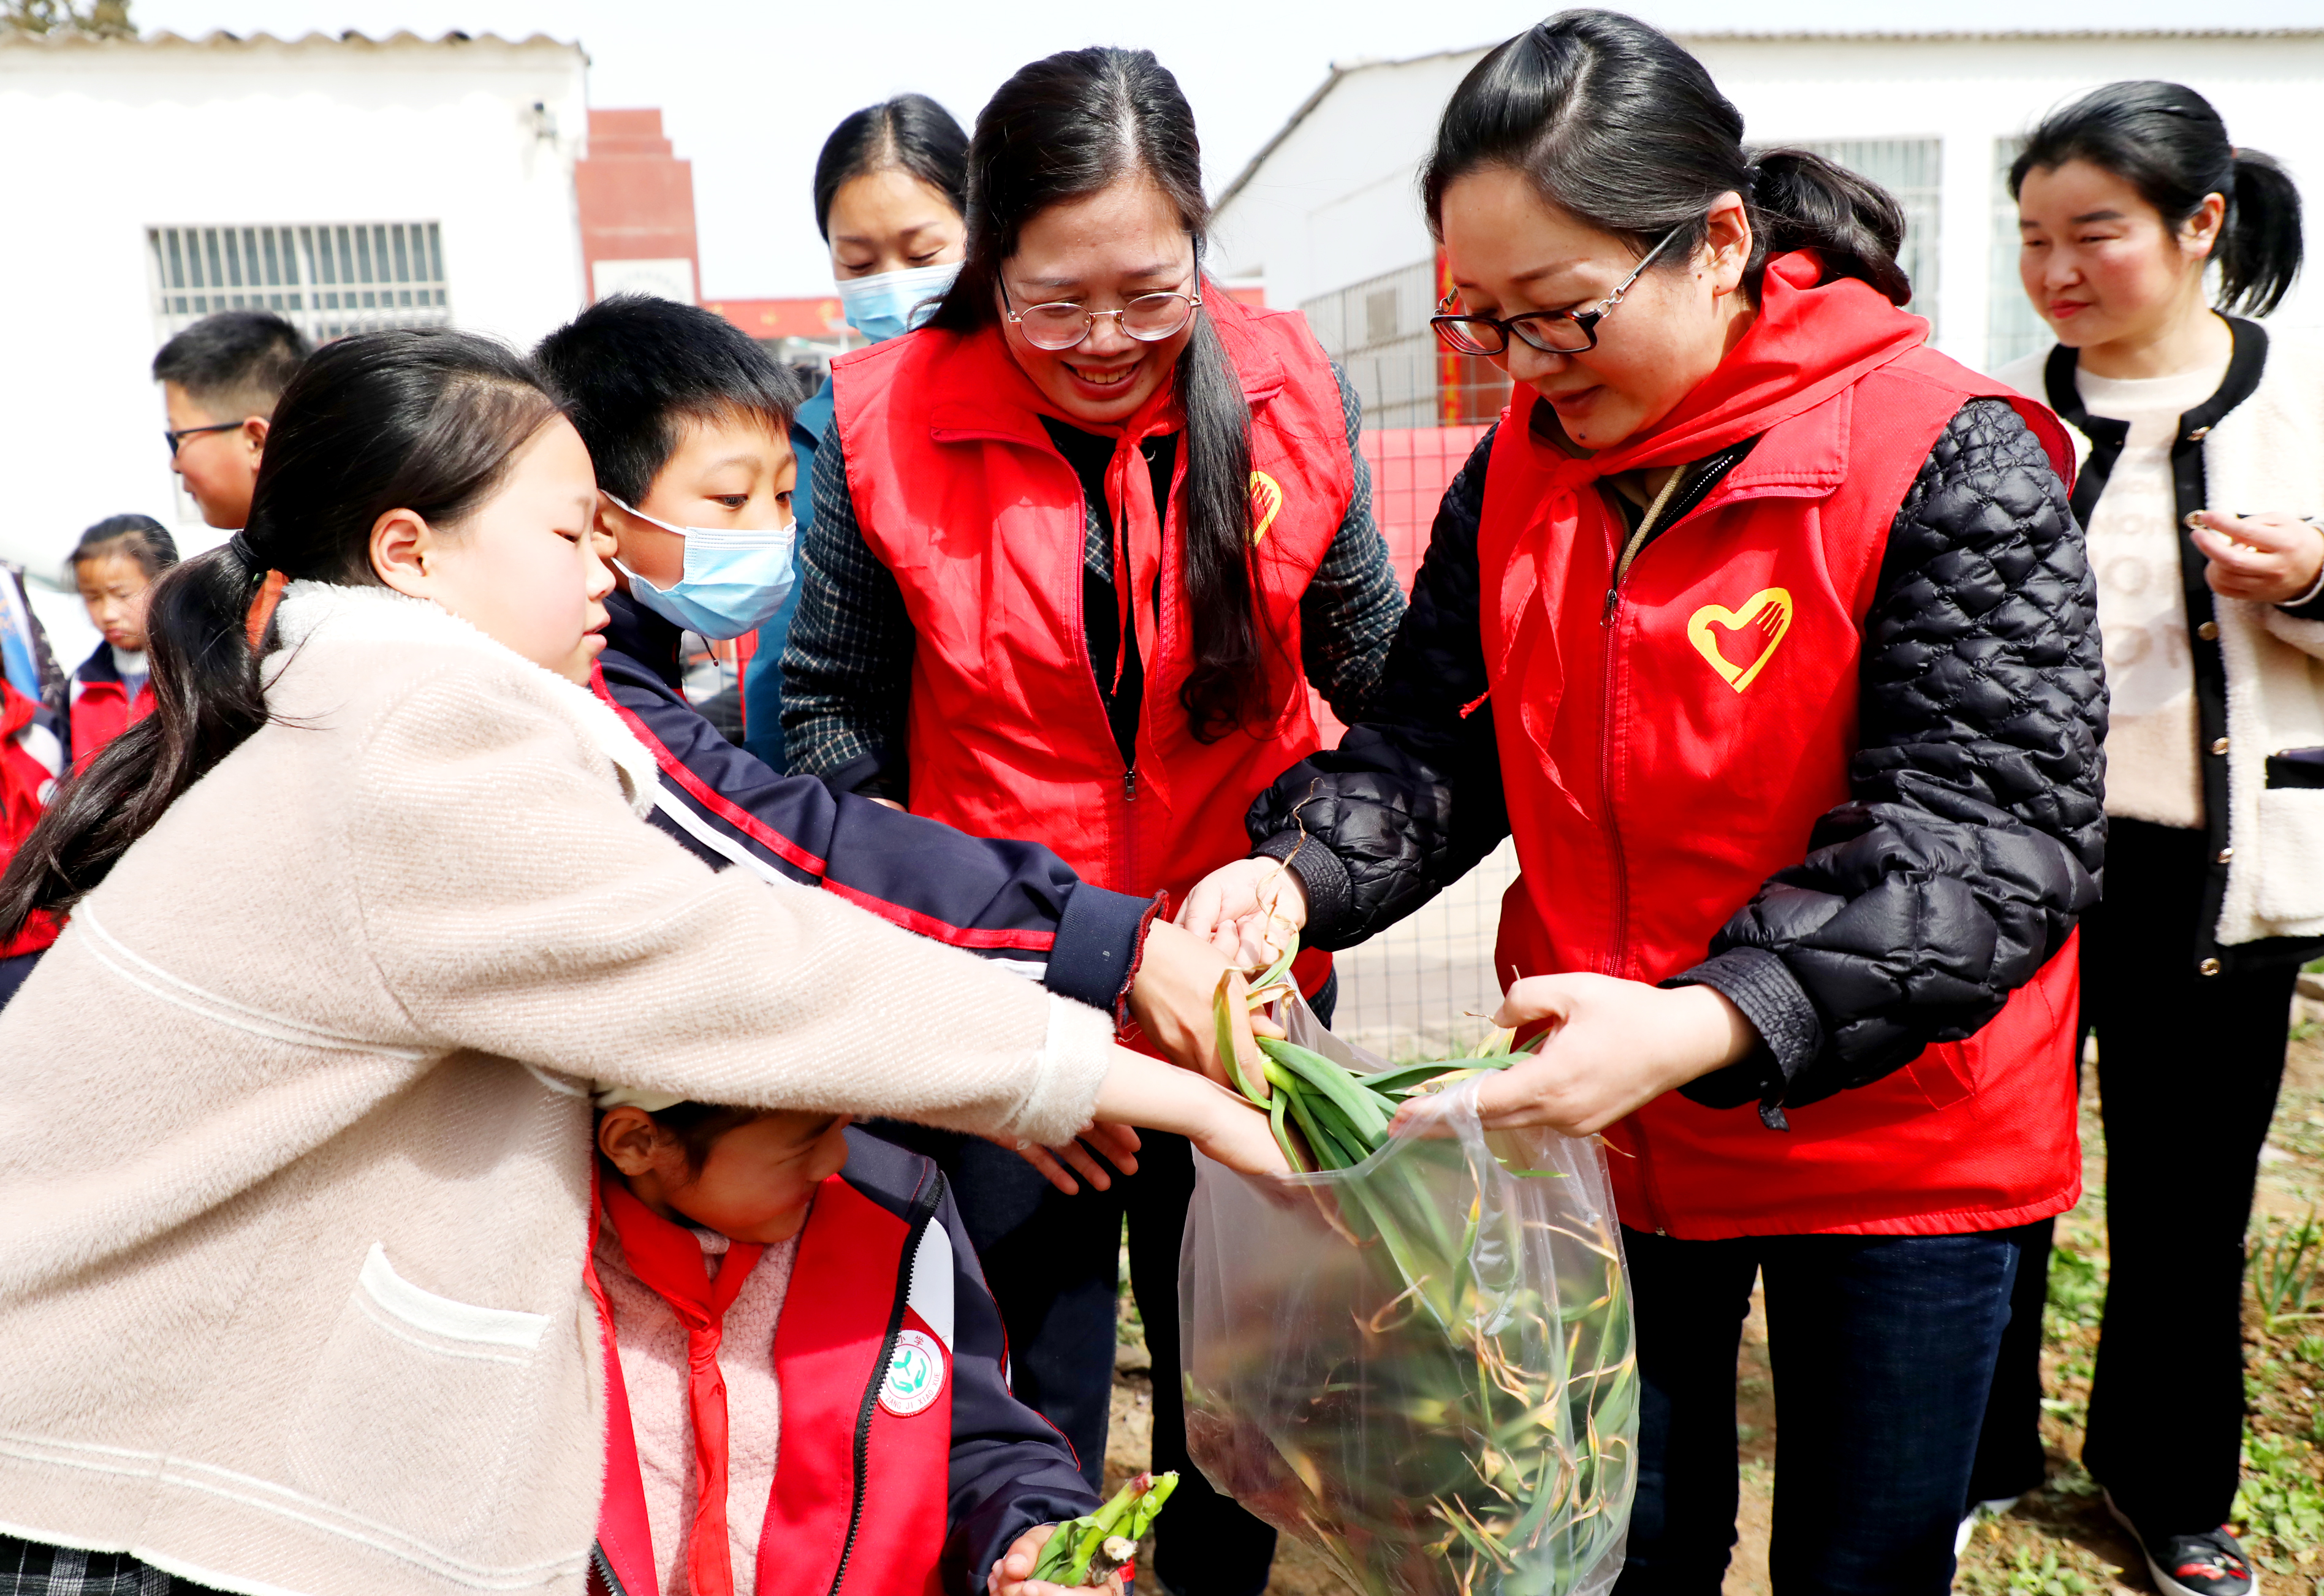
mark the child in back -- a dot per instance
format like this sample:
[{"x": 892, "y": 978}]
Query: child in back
[
  {"x": 221, "y": 379},
  {"x": 813, "y": 1376},
  {"x": 115, "y": 566}
]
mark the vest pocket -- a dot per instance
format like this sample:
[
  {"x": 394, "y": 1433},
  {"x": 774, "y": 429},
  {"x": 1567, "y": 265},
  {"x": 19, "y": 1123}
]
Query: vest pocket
[
  {"x": 2291, "y": 847},
  {"x": 1947, "y": 1072},
  {"x": 402, "y": 1362}
]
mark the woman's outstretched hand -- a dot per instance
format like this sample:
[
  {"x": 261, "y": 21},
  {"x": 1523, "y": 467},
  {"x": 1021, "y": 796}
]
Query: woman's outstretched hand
[
  {"x": 1175, "y": 1001},
  {"x": 2269, "y": 559},
  {"x": 1248, "y": 910},
  {"x": 1614, "y": 1046}
]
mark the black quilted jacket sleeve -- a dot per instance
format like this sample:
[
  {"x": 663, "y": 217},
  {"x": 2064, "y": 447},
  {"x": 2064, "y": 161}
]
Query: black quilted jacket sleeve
[
  {"x": 1972, "y": 844},
  {"x": 1412, "y": 797}
]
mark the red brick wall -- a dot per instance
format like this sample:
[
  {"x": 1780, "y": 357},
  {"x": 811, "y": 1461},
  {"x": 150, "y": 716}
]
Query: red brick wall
[{"x": 635, "y": 196}]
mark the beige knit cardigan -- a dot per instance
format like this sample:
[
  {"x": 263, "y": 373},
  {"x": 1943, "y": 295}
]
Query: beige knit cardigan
[
  {"x": 294, "y": 1138},
  {"x": 2265, "y": 453}
]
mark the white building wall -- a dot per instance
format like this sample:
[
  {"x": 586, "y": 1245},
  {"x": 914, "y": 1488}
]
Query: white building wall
[
  {"x": 1336, "y": 201},
  {"x": 111, "y": 138}
]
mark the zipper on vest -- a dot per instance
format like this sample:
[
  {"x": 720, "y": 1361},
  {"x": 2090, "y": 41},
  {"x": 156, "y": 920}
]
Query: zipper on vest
[
  {"x": 916, "y": 1220},
  {"x": 603, "y": 1567},
  {"x": 1615, "y": 942},
  {"x": 1129, "y": 784}
]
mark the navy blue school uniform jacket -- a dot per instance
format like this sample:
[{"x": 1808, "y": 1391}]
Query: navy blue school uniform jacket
[{"x": 1013, "y": 902}]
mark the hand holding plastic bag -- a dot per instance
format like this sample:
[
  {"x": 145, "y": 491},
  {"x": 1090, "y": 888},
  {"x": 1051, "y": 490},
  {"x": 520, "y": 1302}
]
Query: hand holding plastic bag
[{"x": 1427, "y": 1371}]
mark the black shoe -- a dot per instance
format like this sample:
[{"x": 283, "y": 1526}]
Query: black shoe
[{"x": 2207, "y": 1564}]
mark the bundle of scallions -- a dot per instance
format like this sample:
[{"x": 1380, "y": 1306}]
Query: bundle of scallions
[{"x": 1444, "y": 1404}]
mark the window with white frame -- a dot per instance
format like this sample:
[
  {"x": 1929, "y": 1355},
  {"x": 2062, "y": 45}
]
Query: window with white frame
[
  {"x": 2013, "y": 327},
  {"x": 1910, "y": 169},
  {"x": 326, "y": 280}
]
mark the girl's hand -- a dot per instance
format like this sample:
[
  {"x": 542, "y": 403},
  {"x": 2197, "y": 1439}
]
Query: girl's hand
[
  {"x": 1174, "y": 1000},
  {"x": 1008, "y": 1577},
  {"x": 2270, "y": 559},
  {"x": 1247, "y": 911},
  {"x": 1119, "y": 1145},
  {"x": 1142, "y": 1091},
  {"x": 1614, "y": 1046}
]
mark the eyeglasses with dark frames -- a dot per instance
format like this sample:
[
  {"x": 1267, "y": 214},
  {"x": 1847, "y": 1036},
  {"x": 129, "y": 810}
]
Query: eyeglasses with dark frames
[
  {"x": 178, "y": 437},
  {"x": 1062, "y": 325},
  {"x": 1553, "y": 332}
]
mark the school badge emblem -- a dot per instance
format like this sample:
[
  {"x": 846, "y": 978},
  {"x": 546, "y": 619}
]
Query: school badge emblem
[{"x": 916, "y": 1374}]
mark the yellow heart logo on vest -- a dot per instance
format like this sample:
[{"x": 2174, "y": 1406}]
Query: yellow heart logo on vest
[
  {"x": 1754, "y": 630},
  {"x": 1266, "y": 503}
]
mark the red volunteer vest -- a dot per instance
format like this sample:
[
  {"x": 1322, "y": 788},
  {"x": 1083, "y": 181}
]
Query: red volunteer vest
[
  {"x": 960, "y": 493},
  {"x": 1666, "y": 756},
  {"x": 842, "y": 1430}
]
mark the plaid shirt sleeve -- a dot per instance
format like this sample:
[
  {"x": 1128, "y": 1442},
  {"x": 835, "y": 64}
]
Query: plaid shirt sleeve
[
  {"x": 847, "y": 669},
  {"x": 1351, "y": 609}
]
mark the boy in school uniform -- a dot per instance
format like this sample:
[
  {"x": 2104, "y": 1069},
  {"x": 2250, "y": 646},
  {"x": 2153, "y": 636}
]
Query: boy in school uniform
[
  {"x": 687, "y": 420},
  {"x": 806, "y": 1380},
  {"x": 221, "y": 379}
]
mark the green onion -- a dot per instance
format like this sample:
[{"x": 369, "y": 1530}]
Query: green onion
[
  {"x": 1085, "y": 1550},
  {"x": 1477, "y": 1441}
]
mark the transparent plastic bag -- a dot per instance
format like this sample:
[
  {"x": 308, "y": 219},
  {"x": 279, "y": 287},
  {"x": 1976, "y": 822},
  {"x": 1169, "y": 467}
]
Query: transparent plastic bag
[{"x": 1423, "y": 1366}]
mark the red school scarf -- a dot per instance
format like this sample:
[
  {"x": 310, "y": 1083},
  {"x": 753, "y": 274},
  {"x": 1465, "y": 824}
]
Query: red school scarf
[
  {"x": 668, "y": 1258},
  {"x": 1808, "y": 341}
]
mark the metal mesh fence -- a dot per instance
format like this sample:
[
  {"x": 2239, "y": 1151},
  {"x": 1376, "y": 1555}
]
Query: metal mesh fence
[
  {"x": 1378, "y": 330},
  {"x": 1424, "y": 987}
]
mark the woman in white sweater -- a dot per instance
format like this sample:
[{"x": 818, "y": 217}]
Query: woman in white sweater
[
  {"x": 294, "y": 1123},
  {"x": 2200, "y": 440}
]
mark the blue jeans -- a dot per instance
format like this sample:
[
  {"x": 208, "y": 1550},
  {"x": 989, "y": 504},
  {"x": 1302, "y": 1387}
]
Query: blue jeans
[{"x": 1883, "y": 1350}]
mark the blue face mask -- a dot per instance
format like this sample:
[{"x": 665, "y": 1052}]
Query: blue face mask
[
  {"x": 733, "y": 581},
  {"x": 890, "y": 305}
]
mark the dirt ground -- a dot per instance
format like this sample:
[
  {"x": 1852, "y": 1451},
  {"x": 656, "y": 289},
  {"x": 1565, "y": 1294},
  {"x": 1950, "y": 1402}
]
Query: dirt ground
[{"x": 2059, "y": 1541}]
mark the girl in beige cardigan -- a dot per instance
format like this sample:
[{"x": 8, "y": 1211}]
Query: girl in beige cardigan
[{"x": 303, "y": 1310}]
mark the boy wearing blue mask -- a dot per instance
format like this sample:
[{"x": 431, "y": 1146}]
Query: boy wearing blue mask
[{"x": 688, "y": 423}]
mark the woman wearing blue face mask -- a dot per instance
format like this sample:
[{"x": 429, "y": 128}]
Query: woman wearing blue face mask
[{"x": 890, "y": 186}]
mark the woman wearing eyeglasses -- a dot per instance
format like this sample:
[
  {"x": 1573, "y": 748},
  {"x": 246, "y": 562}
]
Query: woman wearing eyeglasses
[
  {"x": 1768, "y": 632},
  {"x": 1080, "y": 546}
]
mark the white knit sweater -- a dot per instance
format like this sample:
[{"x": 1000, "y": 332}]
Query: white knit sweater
[
  {"x": 294, "y": 1147},
  {"x": 2265, "y": 453}
]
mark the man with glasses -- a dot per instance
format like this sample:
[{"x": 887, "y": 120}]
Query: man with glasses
[{"x": 220, "y": 380}]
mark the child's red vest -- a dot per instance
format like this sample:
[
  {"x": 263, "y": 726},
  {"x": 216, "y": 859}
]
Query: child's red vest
[
  {"x": 961, "y": 494},
  {"x": 100, "y": 707},
  {"x": 860, "y": 1502},
  {"x": 1667, "y": 752}
]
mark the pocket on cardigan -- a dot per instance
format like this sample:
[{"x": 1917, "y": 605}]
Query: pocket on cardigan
[
  {"x": 2292, "y": 849},
  {"x": 417, "y": 1400}
]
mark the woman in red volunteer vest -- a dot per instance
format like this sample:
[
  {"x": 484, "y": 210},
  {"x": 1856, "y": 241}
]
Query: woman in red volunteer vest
[
  {"x": 1080, "y": 546},
  {"x": 1766, "y": 631}
]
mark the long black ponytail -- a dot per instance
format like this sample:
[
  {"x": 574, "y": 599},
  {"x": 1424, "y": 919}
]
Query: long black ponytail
[
  {"x": 1619, "y": 127},
  {"x": 422, "y": 420},
  {"x": 1067, "y": 127},
  {"x": 2167, "y": 141}
]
